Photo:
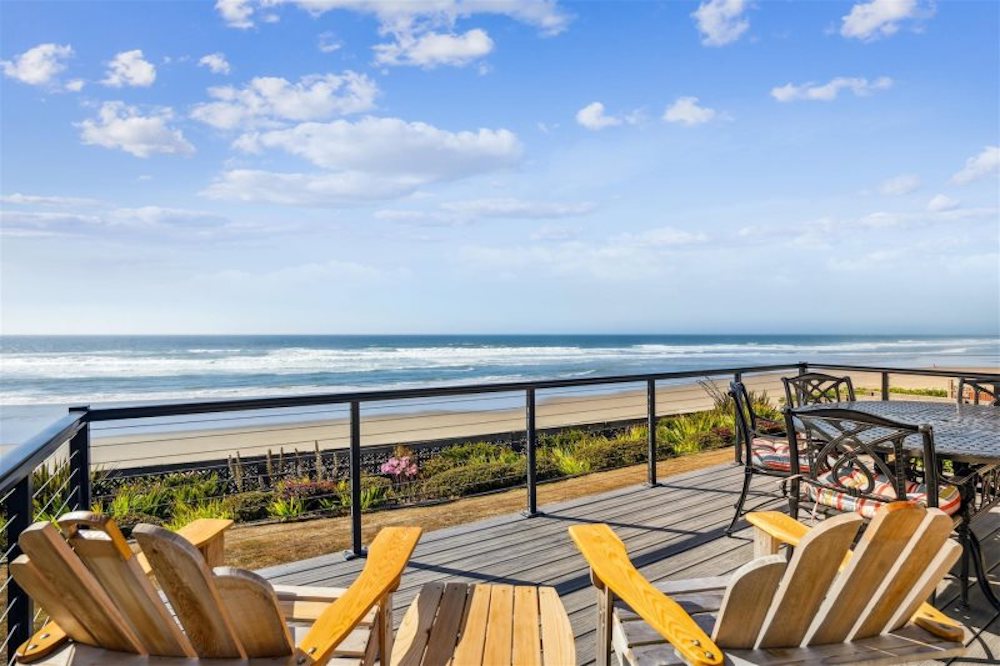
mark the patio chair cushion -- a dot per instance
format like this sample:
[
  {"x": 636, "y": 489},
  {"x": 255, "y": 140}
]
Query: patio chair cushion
[
  {"x": 949, "y": 498},
  {"x": 772, "y": 454}
]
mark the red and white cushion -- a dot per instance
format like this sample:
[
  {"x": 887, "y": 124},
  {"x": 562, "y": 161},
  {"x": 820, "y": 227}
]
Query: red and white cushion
[
  {"x": 949, "y": 498},
  {"x": 772, "y": 454}
]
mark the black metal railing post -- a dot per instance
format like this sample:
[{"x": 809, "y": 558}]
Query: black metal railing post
[
  {"x": 531, "y": 450},
  {"x": 357, "y": 549},
  {"x": 885, "y": 385},
  {"x": 19, "y": 510},
  {"x": 79, "y": 462},
  {"x": 803, "y": 368},
  {"x": 737, "y": 377},
  {"x": 651, "y": 431}
]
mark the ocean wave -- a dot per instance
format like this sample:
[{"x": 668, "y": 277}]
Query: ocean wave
[{"x": 290, "y": 361}]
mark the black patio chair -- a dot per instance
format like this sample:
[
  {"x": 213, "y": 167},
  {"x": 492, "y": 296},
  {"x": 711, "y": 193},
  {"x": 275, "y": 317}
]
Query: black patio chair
[
  {"x": 762, "y": 443},
  {"x": 815, "y": 388},
  {"x": 844, "y": 460},
  {"x": 979, "y": 389}
]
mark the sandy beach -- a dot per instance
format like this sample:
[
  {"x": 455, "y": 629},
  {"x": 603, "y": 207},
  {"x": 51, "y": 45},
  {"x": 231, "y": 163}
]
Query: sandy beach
[{"x": 433, "y": 419}]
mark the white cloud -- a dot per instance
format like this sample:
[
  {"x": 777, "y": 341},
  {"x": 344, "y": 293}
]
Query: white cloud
[
  {"x": 236, "y": 13},
  {"x": 941, "y": 202},
  {"x": 123, "y": 127},
  {"x": 75, "y": 85},
  {"x": 979, "y": 166},
  {"x": 99, "y": 218},
  {"x": 327, "y": 42},
  {"x": 216, "y": 62},
  {"x": 877, "y": 18},
  {"x": 412, "y": 15},
  {"x": 898, "y": 185},
  {"x": 129, "y": 68},
  {"x": 267, "y": 99},
  {"x": 517, "y": 208},
  {"x": 686, "y": 111},
  {"x": 826, "y": 92},
  {"x": 38, "y": 66},
  {"x": 464, "y": 212},
  {"x": 432, "y": 49},
  {"x": 422, "y": 31},
  {"x": 48, "y": 201},
  {"x": 721, "y": 22},
  {"x": 392, "y": 146},
  {"x": 309, "y": 189},
  {"x": 593, "y": 117},
  {"x": 367, "y": 160}
]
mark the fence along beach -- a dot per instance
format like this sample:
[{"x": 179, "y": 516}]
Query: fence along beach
[{"x": 389, "y": 424}]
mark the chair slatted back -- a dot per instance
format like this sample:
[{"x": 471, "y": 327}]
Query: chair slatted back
[
  {"x": 901, "y": 557},
  {"x": 104, "y": 551},
  {"x": 808, "y": 576},
  {"x": 979, "y": 390},
  {"x": 189, "y": 585},
  {"x": 85, "y": 598},
  {"x": 253, "y": 608},
  {"x": 93, "y": 587},
  {"x": 815, "y": 388}
]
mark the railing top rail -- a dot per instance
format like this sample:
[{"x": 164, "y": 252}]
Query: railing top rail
[
  {"x": 25, "y": 457},
  {"x": 183, "y": 408},
  {"x": 930, "y": 372}
]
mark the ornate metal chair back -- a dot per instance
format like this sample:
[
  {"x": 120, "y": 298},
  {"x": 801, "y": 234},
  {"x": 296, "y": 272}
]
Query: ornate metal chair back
[
  {"x": 814, "y": 388},
  {"x": 862, "y": 456},
  {"x": 978, "y": 390}
]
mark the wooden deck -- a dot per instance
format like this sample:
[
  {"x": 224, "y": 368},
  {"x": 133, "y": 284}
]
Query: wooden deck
[{"x": 675, "y": 530}]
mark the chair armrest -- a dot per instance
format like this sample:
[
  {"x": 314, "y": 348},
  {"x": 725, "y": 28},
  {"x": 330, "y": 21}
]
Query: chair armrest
[
  {"x": 778, "y": 526},
  {"x": 611, "y": 567},
  {"x": 388, "y": 556},
  {"x": 781, "y": 528}
]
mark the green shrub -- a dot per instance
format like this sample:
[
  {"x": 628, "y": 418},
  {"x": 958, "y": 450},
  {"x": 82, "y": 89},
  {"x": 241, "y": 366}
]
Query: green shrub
[
  {"x": 249, "y": 506},
  {"x": 311, "y": 493},
  {"x": 375, "y": 491},
  {"x": 184, "y": 513},
  {"x": 607, "y": 452},
  {"x": 564, "y": 439},
  {"x": 567, "y": 462},
  {"x": 284, "y": 509},
  {"x": 475, "y": 477},
  {"x": 466, "y": 454},
  {"x": 128, "y": 521}
]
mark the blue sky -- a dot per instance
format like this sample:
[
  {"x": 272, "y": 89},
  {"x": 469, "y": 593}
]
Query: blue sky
[{"x": 348, "y": 166}]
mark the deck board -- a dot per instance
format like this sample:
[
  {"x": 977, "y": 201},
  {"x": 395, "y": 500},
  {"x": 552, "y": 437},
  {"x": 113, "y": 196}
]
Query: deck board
[{"x": 675, "y": 530}]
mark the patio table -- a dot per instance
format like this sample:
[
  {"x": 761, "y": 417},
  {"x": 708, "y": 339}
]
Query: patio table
[{"x": 966, "y": 435}]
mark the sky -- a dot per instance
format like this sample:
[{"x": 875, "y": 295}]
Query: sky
[{"x": 503, "y": 166}]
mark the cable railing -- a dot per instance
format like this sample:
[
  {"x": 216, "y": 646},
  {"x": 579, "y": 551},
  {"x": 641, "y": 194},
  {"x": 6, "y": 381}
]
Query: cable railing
[{"x": 55, "y": 471}]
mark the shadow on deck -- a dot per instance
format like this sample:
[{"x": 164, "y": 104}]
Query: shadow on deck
[{"x": 672, "y": 531}]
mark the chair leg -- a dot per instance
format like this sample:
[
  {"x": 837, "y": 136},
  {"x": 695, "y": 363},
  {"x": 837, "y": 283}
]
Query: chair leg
[
  {"x": 384, "y": 624},
  {"x": 605, "y": 625},
  {"x": 747, "y": 475},
  {"x": 963, "y": 582}
]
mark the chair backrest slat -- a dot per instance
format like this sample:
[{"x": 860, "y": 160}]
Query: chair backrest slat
[
  {"x": 927, "y": 584},
  {"x": 742, "y": 614},
  {"x": 883, "y": 543},
  {"x": 914, "y": 561},
  {"x": 253, "y": 609},
  {"x": 91, "y": 605},
  {"x": 814, "y": 388},
  {"x": 807, "y": 579},
  {"x": 36, "y": 583},
  {"x": 104, "y": 551},
  {"x": 186, "y": 580}
]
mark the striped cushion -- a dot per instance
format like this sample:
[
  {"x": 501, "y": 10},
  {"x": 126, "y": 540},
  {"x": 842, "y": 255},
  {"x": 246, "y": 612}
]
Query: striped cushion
[
  {"x": 949, "y": 499},
  {"x": 771, "y": 454}
]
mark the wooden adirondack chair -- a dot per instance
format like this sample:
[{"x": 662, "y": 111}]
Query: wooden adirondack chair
[
  {"x": 826, "y": 604},
  {"x": 95, "y": 591}
]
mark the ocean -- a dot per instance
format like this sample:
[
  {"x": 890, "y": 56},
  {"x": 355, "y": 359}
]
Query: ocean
[{"x": 40, "y": 376}]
